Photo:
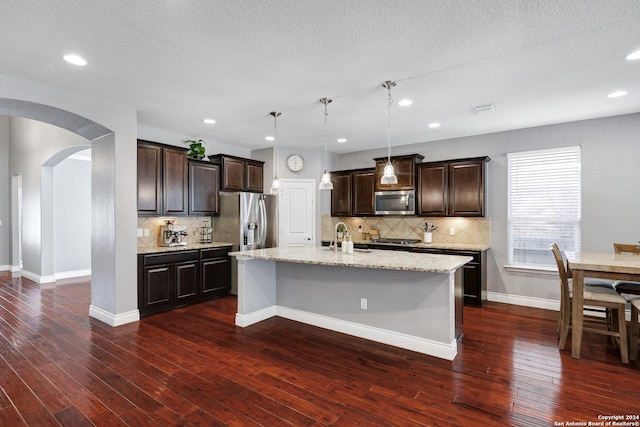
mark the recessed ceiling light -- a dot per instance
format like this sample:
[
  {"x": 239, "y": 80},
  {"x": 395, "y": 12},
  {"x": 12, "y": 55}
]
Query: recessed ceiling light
[
  {"x": 617, "y": 94},
  {"x": 75, "y": 60},
  {"x": 342, "y": 140},
  {"x": 405, "y": 102},
  {"x": 434, "y": 125},
  {"x": 209, "y": 121},
  {"x": 633, "y": 56},
  {"x": 269, "y": 138}
]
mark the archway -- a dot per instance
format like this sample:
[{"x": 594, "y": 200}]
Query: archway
[
  {"x": 48, "y": 209},
  {"x": 112, "y": 301}
]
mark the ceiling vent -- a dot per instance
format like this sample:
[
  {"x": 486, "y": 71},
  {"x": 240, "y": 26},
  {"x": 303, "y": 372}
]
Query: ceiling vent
[{"x": 484, "y": 108}]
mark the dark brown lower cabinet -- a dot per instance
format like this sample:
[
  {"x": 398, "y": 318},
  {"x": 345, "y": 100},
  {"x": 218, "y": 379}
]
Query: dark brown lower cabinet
[
  {"x": 186, "y": 281},
  {"x": 175, "y": 279},
  {"x": 474, "y": 274},
  {"x": 215, "y": 268}
]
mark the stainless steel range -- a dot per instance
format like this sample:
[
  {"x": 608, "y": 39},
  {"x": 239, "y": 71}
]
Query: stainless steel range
[
  {"x": 396, "y": 241},
  {"x": 393, "y": 244}
]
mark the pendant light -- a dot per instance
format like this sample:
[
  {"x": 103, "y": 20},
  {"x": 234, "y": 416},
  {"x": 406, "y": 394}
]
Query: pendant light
[
  {"x": 325, "y": 181},
  {"x": 389, "y": 175},
  {"x": 275, "y": 184}
]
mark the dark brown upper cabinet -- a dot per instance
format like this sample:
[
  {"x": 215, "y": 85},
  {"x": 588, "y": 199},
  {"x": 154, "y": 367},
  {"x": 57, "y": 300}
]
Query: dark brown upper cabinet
[
  {"x": 162, "y": 179},
  {"x": 149, "y": 179},
  {"x": 341, "y": 194},
  {"x": 175, "y": 182},
  {"x": 363, "y": 189},
  {"x": 238, "y": 174},
  {"x": 452, "y": 188},
  {"x": 204, "y": 187},
  {"x": 352, "y": 193},
  {"x": 405, "y": 169}
]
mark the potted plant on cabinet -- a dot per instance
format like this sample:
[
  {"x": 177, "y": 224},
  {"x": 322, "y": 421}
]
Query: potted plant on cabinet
[{"x": 196, "y": 149}]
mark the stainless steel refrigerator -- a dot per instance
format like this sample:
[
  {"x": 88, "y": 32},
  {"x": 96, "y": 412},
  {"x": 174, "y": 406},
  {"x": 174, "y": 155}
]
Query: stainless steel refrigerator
[{"x": 249, "y": 221}]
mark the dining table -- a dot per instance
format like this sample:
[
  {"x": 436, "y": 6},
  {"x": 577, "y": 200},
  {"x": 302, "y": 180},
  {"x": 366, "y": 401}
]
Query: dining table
[{"x": 598, "y": 265}]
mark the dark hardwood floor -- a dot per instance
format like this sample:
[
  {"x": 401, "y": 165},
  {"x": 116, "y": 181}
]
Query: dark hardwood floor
[{"x": 192, "y": 366}]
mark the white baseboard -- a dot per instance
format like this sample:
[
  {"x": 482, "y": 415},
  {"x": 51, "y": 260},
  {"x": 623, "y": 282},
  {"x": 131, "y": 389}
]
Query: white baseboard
[
  {"x": 36, "y": 278},
  {"x": 72, "y": 274},
  {"x": 114, "y": 319},
  {"x": 546, "y": 304},
  {"x": 244, "y": 320},
  {"x": 5, "y": 268},
  {"x": 16, "y": 268},
  {"x": 397, "y": 339}
]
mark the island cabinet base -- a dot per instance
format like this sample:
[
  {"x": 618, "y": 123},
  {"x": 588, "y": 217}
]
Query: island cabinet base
[{"x": 419, "y": 311}]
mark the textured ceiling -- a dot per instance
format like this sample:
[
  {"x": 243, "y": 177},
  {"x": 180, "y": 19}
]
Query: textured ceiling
[{"x": 179, "y": 61}]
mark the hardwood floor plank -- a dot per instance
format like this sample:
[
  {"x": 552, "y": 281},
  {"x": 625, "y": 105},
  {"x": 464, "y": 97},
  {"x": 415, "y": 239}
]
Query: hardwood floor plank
[
  {"x": 193, "y": 366},
  {"x": 10, "y": 416},
  {"x": 72, "y": 417}
]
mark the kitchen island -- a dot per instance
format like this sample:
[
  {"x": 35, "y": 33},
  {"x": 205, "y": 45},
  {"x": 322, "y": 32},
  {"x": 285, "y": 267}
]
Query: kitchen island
[{"x": 408, "y": 300}]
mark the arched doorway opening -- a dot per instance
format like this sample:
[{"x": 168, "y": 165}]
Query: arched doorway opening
[{"x": 113, "y": 300}]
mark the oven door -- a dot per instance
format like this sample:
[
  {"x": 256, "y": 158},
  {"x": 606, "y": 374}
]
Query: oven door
[{"x": 395, "y": 203}]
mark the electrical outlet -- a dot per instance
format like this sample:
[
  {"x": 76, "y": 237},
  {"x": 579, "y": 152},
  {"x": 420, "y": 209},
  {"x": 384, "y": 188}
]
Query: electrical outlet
[
  {"x": 452, "y": 231},
  {"x": 139, "y": 232},
  {"x": 363, "y": 303},
  {"x": 146, "y": 232}
]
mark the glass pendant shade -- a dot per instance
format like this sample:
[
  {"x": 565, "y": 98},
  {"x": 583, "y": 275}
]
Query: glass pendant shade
[
  {"x": 276, "y": 188},
  {"x": 325, "y": 181},
  {"x": 389, "y": 175}
]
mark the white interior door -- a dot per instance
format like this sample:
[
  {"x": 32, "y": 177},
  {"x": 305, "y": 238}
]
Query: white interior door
[{"x": 297, "y": 213}]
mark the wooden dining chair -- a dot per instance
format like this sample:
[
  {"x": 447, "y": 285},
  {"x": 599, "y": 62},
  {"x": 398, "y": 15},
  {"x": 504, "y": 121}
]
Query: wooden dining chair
[
  {"x": 596, "y": 296},
  {"x": 634, "y": 339},
  {"x": 627, "y": 286},
  {"x": 625, "y": 248}
]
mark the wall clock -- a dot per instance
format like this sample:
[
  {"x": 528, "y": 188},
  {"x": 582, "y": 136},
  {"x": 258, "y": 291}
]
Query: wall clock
[{"x": 295, "y": 163}]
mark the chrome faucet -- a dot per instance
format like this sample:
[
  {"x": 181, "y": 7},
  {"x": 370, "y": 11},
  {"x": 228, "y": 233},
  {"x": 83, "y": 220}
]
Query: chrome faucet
[{"x": 335, "y": 233}]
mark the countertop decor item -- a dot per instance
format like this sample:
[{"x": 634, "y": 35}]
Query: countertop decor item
[{"x": 196, "y": 149}]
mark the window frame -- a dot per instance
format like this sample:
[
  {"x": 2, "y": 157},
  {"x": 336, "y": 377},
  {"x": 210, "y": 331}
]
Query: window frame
[{"x": 548, "y": 179}]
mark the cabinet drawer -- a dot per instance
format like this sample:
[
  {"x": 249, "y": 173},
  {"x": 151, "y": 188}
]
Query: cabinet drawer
[
  {"x": 215, "y": 252},
  {"x": 164, "y": 258}
]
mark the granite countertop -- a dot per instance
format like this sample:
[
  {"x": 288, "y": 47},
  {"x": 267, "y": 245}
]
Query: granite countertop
[
  {"x": 190, "y": 246},
  {"x": 370, "y": 258},
  {"x": 453, "y": 246}
]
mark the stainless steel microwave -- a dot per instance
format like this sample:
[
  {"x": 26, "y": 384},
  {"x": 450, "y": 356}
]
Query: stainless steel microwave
[{"x": 395, "y": 202}]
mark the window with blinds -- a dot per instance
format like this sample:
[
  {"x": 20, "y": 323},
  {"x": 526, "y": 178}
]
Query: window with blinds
[{"x": 544, "y": 205}]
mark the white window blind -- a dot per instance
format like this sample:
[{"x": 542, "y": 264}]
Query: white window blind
[{"x": 544, "y": 205}]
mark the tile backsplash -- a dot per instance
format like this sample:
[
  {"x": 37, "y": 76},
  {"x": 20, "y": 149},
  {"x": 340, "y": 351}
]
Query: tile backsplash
[
  {"x": 467, "y": 230},
  {"x": 153, "y": 223}
]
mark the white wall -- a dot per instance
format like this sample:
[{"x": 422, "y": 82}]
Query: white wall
[
  {"x": 610, "y": 191},
  {"x": 5, "y": 196},
  {"x": 32, "y": 144},
  {"x": 313, "y": 168},
  {"x": 72, "y": 217}
]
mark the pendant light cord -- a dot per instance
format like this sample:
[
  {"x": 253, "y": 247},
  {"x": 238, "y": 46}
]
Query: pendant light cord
[
  {"x": 275, "y": 115},
  {"x": 389, "y": 104},
  {"x": 326, "y": 113}
]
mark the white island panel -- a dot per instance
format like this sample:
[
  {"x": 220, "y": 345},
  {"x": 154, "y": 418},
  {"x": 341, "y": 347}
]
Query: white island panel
[{"x": 411, "y": 298}]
